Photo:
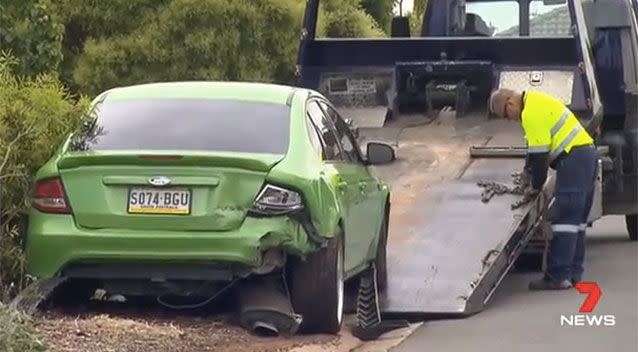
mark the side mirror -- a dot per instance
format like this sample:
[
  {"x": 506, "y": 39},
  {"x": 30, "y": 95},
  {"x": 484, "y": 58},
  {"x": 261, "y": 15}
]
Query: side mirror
[
  {"x": 379, "y": 153},
  {"x": 354, "y": 129}
]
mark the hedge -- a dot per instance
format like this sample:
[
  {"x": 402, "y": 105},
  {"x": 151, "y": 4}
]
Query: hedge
[{"x": 35, "y": 116}]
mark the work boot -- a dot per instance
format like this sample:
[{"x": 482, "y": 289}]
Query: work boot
[{"x": 546, "y": 284}]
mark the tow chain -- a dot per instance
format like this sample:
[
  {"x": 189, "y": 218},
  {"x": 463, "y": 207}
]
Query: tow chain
[{"x": 492, "y": 188}]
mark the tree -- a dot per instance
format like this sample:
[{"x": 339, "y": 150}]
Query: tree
[
  {"x": 32, "y": 32},
  {"x": 380, "y": 10},
  {"x": 197, "y": 39},
  {"x": 346, "y": 20},
  {"x": 86, "y": 19}
]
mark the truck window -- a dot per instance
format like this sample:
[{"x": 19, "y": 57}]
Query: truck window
[
  {"x": 501, "y": 17},
  {"x": 549, "y": 20}
]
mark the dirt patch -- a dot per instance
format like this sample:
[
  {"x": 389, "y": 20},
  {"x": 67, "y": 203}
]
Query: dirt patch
[{"x": 143, "y": 333}]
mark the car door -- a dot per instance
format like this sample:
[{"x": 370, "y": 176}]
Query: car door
[
  {"x": 368, "y": 211},
  {"x": 345, "y": 176}
]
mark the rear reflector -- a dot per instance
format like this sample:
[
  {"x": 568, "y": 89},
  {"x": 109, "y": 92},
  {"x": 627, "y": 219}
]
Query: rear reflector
[{"x": 49, "y": 197}]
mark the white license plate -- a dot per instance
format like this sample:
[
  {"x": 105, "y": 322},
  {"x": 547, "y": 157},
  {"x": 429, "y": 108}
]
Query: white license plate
[{"x": 159, "y": 201}]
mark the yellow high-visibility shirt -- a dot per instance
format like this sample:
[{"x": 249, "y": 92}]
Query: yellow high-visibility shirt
[{"x": 550, "y": 127}]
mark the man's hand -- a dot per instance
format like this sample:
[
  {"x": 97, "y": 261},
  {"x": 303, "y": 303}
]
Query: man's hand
[
  {"x": 529, "y": 193},
  {"x": 522, "y": 179}
]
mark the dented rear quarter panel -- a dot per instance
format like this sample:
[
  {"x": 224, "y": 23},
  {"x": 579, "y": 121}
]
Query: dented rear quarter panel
[{"x": 303, "y": 170}]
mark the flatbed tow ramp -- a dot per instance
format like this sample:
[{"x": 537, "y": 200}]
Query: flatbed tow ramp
[{"x": 449, "y": 261}]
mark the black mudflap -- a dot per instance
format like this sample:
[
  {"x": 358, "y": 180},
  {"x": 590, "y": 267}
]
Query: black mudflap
[
  {"x": 33, "y": 296},
  {"x": 369, "y": 323}
]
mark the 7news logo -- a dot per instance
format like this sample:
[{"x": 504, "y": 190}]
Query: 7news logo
[{"x": 593, "y": 292}]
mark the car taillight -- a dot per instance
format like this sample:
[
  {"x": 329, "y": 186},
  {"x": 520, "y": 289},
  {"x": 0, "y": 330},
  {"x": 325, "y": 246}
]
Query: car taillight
[
  {"x": 49, "y": 197},
  {"x": 275, "y": 200}
]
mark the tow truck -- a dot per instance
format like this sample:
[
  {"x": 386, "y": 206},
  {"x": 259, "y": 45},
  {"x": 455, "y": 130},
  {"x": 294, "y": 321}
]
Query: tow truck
[{"x": 453, "y": 254}]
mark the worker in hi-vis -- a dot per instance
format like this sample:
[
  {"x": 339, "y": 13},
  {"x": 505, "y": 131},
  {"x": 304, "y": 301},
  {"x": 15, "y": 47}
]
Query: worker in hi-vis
[{"x": 555, "y": 138}]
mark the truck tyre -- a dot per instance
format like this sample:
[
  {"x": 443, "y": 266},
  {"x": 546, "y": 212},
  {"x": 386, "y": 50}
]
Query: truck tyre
[
  {"x": 632, "y": 226},
  {"x": 381, "y": 261},
  {"x": 317, "y": 288}
]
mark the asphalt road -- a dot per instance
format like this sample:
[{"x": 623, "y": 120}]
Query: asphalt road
[{"x": 519, "y": 320}]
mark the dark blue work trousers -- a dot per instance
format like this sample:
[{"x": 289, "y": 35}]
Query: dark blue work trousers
[{"x": 575, "y": 179}]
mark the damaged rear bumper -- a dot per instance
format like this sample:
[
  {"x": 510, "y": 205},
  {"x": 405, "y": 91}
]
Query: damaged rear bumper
[{"x": 55, "y": 245}]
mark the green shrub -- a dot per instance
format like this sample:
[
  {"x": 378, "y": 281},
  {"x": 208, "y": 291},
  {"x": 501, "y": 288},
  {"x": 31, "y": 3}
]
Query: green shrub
[
  {"x": 35, "y": 116},
  {"x": 197, "y": 40},
  {"x": 17, "y": 333},
  {"x": 346, "y": 19},
  {"x": 349, "y": 23},
  {"x": 12, "y": 263}
]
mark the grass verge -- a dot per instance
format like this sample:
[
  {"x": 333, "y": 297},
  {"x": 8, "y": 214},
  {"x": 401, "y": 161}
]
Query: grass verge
[{"x": 17, "y": 333}]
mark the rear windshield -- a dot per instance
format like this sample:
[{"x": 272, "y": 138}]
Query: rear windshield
[
  {"x": 501, "y": 18},
  {"x": 187, "y": 124}
]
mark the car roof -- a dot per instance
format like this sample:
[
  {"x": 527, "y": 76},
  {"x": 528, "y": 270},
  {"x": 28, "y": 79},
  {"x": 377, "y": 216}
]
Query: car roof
[{"x": 250, "y": 91}]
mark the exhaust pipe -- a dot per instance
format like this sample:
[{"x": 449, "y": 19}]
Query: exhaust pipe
[{"x": 265, "y": 309}]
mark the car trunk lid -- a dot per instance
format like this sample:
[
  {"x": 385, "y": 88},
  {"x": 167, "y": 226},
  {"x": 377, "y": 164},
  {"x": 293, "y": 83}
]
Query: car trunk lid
[
  {"x": 195, "y": 192},
  {"x": 164, "y": 158}
]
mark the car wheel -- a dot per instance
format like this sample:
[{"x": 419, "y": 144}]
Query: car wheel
[
  {"x": 632, "y": 226},
  {"x": 317, "y": 288},
  {"x": 381, "y": 259}
]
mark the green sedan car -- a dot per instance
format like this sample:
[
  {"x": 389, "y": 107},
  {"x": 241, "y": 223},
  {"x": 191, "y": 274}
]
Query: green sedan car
[{"x": 170, "y": 185}]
